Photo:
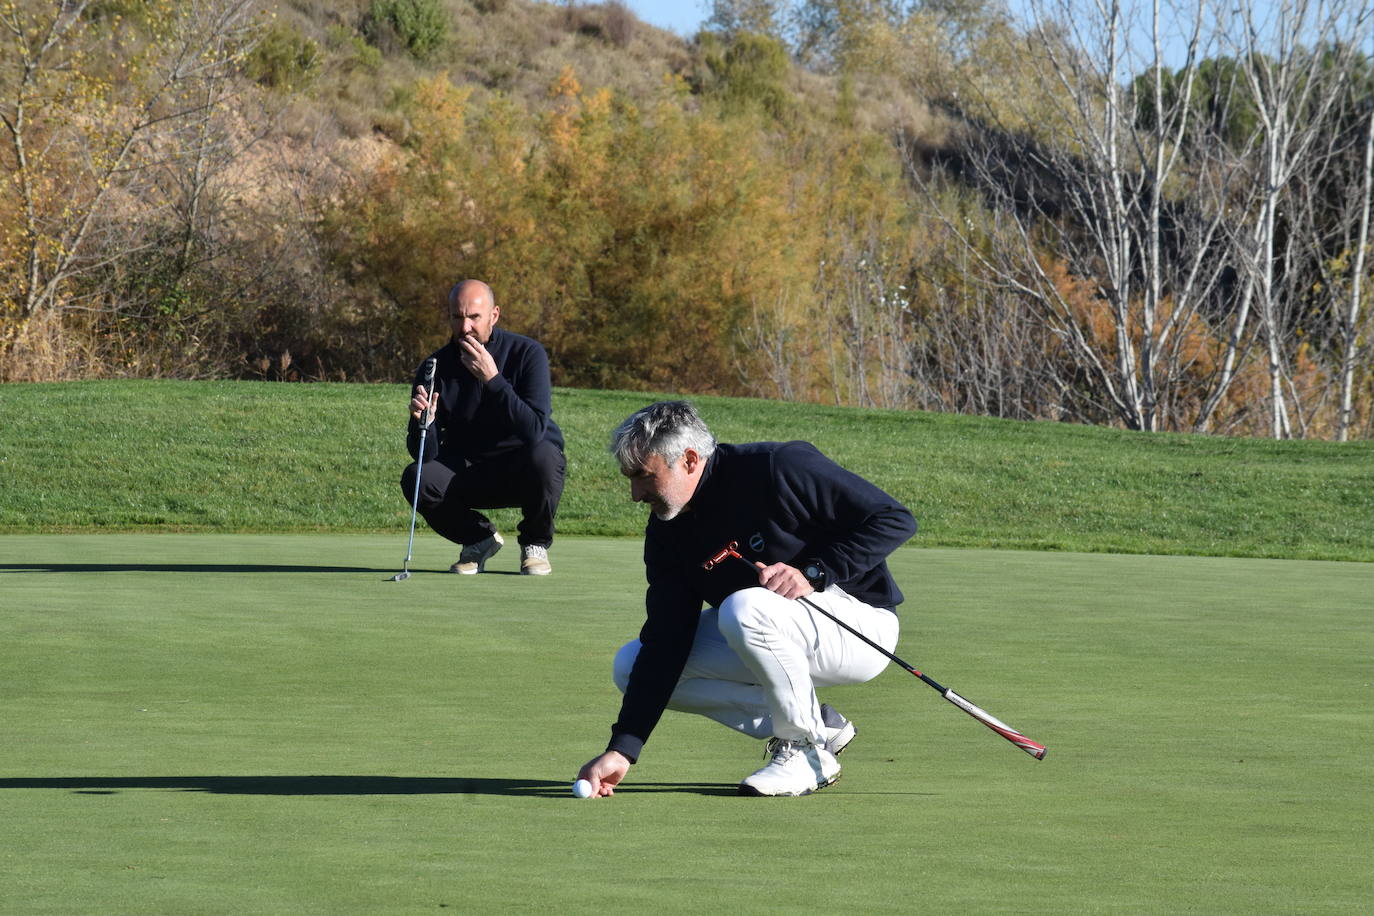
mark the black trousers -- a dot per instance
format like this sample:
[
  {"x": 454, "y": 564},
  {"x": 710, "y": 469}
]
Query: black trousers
[{"x": 529, "y": 479}]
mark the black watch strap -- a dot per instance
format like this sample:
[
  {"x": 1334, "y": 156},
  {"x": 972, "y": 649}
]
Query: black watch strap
[{"x": 815, "y": 574}]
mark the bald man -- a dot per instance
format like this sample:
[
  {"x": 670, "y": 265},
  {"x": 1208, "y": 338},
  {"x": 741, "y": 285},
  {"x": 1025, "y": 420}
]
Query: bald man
[{"x": 492, "y": 442}]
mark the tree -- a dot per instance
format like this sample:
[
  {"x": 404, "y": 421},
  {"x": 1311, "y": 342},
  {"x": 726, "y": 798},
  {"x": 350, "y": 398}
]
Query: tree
[
  {"x": 1293, "y": 84},
  {"x": 1083, "y": 182},
  {"x": 761, "y": 17},
  {"x": 634, "y": 240},
  {"x": 1158, "y": 172},
  {"x": 94, "y": 104},
  {"x": 1352, "y": 325},
  {"x": 1330, "y": 215}
]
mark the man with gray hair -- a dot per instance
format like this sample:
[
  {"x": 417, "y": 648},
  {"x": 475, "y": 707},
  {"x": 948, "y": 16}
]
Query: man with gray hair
[
  {"x": 492, "y": 442},
  {"x": 753, "y": 658}
]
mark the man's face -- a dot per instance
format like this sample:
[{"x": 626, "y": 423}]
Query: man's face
[
  {"x": 471, "y": 314},
  {"x": 666, "y": 487}
]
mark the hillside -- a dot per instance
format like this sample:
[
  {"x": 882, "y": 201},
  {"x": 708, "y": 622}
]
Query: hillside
[
  {"x": 354, "y": 72},
  {"x": 900, "y": 206}
]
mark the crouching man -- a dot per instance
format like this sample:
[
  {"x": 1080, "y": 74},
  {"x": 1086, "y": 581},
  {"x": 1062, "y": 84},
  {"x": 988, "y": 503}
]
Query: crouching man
[{"x": 753, "y": 658}]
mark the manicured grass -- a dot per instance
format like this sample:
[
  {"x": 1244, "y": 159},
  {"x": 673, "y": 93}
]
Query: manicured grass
[
  {"x": 264, "y": 457},
  {"x": 263, "y": 724}
]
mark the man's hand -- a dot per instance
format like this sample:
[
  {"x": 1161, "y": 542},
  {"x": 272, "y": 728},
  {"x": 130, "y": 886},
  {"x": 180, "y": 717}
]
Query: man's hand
[
  {"x": 421, "y": 404},
  {"x": 476, "y": 359},
  {"x": 605, "y": 772},
  {"x": 785, "y": 580}
]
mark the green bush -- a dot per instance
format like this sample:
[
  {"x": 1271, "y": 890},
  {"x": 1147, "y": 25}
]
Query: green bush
[
  {"x": 752, "y": 73},
  {"x": 420, "y": 26},
  {"x": 358, "y": 53},
  {"x": 283, "y": 58}
]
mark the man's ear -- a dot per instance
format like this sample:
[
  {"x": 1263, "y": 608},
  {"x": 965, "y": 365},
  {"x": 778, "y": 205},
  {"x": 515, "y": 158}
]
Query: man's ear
[{"x": 691, "y": 460}]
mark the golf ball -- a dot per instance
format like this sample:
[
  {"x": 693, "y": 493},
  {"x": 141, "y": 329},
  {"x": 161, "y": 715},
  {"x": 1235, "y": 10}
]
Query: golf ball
[{"x": 582, "y": 789}]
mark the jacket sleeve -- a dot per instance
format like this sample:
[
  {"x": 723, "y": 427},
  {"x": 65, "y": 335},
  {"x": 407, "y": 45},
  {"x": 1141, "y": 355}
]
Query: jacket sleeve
[
  {"x": 670, "y": 625},
  {"x": 524, "y": 392},
  {"x": 852, "y": 524}
]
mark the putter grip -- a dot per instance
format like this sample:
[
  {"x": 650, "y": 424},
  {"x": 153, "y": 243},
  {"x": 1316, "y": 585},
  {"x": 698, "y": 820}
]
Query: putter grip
[{"x": 427, "y": 381}]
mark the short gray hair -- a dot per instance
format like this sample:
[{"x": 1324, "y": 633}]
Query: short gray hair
[{"x": 666, "y": 429}]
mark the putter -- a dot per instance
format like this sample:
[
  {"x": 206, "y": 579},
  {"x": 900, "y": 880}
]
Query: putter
[
  {"x": 1035, "y": 749},
  {"x": 428, "y": 382}
]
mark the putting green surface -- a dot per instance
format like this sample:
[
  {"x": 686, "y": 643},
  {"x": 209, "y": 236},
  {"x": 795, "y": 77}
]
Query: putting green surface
[{"x": 265, "y": 724}]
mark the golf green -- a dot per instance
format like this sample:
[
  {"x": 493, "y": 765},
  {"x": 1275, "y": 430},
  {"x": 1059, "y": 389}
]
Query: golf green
[{"x": 266, "y": 724}]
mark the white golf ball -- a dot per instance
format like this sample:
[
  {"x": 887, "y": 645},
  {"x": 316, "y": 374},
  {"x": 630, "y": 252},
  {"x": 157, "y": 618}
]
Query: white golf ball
[{"x": 582, "y": 789}]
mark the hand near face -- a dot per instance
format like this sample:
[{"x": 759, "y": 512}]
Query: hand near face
[{"x": 476, "y": 359}]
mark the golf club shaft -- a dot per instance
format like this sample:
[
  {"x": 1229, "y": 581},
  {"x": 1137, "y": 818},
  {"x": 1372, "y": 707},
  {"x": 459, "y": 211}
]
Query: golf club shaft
[
  {"x": 415, "y": 501},
  {"x": 1033, "y": 748},
  {"x": 425, "y": 418}
]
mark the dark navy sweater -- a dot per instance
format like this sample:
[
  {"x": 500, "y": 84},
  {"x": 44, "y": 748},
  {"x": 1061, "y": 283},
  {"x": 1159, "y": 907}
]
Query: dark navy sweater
[
  {"x": 476, "y": 422},
  {"x": 783, "y": 503}
]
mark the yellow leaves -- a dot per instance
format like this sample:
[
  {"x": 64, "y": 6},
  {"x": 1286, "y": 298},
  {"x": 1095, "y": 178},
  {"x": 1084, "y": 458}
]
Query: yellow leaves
[
  {"x": 566, "y": 85},
  {"x": 676, "y": 87},
  {"x": 598, "y": 106},
  {"x": 566, "y": 93},
  {"x": 440, "y": 99},
  {"x": 633, "y": 243}
]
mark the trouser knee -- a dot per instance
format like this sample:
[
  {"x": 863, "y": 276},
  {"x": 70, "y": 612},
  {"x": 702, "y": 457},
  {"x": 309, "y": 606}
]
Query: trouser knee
[
  {"x": 624, "y": 663},
  {"x": 743, "y": 612},
  {"x": 548, "y": 463},
  {"x": 434, "y": 480},
  {"x": 408, "y": 480}
]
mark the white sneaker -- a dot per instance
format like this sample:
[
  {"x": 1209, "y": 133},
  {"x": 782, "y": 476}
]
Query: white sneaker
[
  {"x": 474, "y": 557},
  {"x": 534, "y": 561},
  {"x": 797, "y": 767},
  {"x": 838, "y": 730}
]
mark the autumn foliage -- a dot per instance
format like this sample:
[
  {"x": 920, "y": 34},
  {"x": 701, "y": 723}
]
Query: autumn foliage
[{"x": 198, "y": 189}]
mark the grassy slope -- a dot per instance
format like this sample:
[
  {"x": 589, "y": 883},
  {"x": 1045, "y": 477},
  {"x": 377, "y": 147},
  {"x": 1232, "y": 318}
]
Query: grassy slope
[
  {"x": 263, "y": 724},
  {"x": 264, "y": 457}
]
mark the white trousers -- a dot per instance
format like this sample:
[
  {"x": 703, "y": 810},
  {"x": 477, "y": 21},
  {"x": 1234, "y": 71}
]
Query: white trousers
[{"x": 757, "y": 660}]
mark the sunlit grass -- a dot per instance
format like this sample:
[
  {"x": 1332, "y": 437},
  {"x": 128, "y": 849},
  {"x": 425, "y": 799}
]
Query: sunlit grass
[{"x": 266, "y": 457}]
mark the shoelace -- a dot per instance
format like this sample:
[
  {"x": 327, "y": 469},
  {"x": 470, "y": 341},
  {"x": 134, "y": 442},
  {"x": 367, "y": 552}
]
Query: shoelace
[
  {"x": 779, "y": 749},
  {"x": 534, "y": 550}
]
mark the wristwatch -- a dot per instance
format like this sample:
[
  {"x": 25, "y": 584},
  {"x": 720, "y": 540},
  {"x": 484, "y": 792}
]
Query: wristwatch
[{"x": 815, "y": 574}]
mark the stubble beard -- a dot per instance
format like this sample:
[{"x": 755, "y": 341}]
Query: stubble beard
[{"x": 668, "y": 512}]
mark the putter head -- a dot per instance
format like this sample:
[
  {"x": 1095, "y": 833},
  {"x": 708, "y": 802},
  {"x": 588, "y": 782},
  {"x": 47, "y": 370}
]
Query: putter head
[{"x": 401, "y": 576}]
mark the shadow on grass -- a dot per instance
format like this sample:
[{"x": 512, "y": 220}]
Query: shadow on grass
[
  {"x": 181, "y": 567},
  {"x": 218, "y": 568},
  {"x": 343, "y": 785}
]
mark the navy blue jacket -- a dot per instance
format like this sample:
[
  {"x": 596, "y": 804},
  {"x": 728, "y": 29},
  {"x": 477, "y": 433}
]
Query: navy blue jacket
[
  {"x": 783, "y": 503},
  {"x": 476, "y": 422}
]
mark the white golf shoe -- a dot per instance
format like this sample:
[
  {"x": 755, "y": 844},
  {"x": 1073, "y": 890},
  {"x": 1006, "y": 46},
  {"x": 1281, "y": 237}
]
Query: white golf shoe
[
  {"x": 839, "y": 731},
  {"x": 534, "y": 560},
  {"x": 796, "y": 767},
  {"x": 474, "y": 557}
]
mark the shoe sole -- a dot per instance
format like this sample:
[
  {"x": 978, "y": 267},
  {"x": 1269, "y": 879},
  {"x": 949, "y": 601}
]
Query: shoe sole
[
  {"x": 749, "y": 791},
  {"x": 534, "y": 572}
]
